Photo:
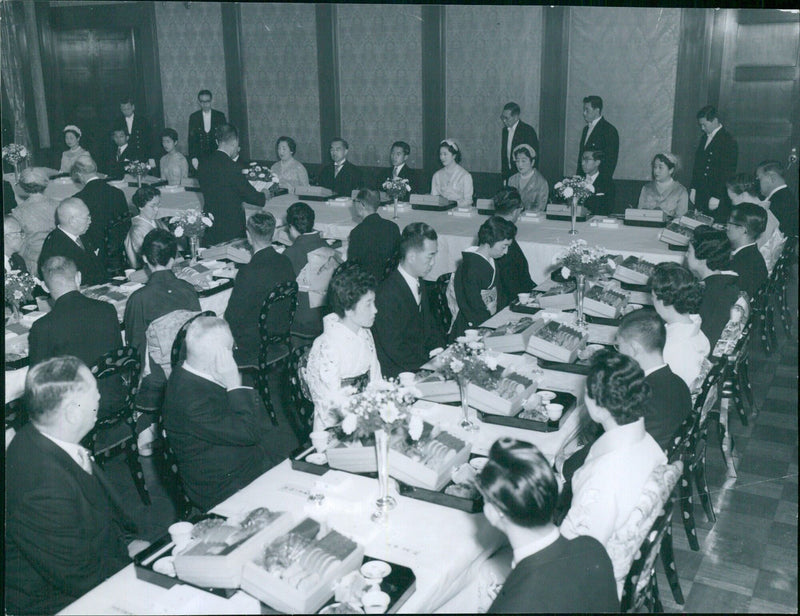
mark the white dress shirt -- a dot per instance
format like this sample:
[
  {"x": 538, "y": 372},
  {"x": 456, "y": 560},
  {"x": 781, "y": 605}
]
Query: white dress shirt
[
  {"x": 522, "y": 552},
  {"x": 591, "y": 178},
  {"x": 397, "y": 170},
  {"x": 208, "y": 377},
  {"x": 207, "y": 121},
  {"x": 733, "y": 252},
  {"x": 77, "y": 452},
  {"x": 711, "y": 136},
  {"x": 589, "y": 130},
  {"x": 74, "y": 238},
  {"x": 774, "y": 190},
  {"x": 129, "y": 123},
  {"x": 413, "y": 283},
  {"x": 511, "y": 131}
]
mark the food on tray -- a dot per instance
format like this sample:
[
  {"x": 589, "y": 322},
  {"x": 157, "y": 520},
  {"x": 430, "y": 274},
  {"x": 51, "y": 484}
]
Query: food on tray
[
  {"x": 606, "y": 296},
  {"x": 461, "y": 490},
  {"x": 535, "y": 414},
  {"x": 639, "y": 265},
  {"x": 561, "y": 335},
  {"x": 513, "y": 327},
  {"x": 590, "y": 350},
  {"x": 559, "y": 289},
  {"x": 217, "y": 535},
  {"x": 341, "y": 608},
  {"x": 680, "y": 229},
  {"x": 433, "y": 452}
]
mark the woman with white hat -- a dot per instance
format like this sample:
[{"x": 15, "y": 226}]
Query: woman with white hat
[
  {"x": 664, "y": 192},
  {"x": 72, "y": 137},
  {"x": 452, "y": 182}
]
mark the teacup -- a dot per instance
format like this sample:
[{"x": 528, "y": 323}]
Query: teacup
[
  {"x": 471, "y": 334},
  {"x": 129, "y": 273},
  {"x": 524, "y": 298},
  {"x": 319, "y": 439},
  {"x": 554, "y": 411},
  {"x": 406, "y": 378},
  {"x": 181, "y": 534},
  {"x": 546, "y": 396},
  {"x": 375, "y": 602}
]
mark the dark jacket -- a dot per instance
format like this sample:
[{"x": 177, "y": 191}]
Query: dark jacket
[
  {"x": 670, "y": 403},
  {"x": 524, "y": 133},
  {"x": 65, "y": 529},
  {"x": 713, "y": 167},
  {"x": 254, "y": 281},
  {"x": 602, "y": 202},
  {"x": 140, "y": 137},
  {"x": 224, "y": 189},
  {"x": 59, "y": 244},
  {"x": 307, "y": 320},
  {"x": 115, "y": 165},
  {"x": 513, "y": 275},
  {"x": 604, "y": 137},
  {"x": 473, "y": 278},
  {"x": 111, "y": 221},
  {"x": 406, "y": 172},
  {"x": 720, "y": 292},
  {"x": 749, "y": 264},
  {"x": 783, "y": 204},
  {"x": 201, "y": 143},
  {"x": 372, "y": 242},
  {"x": 343, "y": 184}
]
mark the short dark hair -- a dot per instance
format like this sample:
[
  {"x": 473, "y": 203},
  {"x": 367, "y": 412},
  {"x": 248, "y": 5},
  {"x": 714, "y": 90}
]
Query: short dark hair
[
  {"x": 709, "y": 112},
  {"x": 342, "y": 141},
  {"x": 401, "y": 144},
  {"x": 371, "y": 199},
  {"x": 171, "y": 133},
  {"x": 671, "y": 164},
  {"x": 144, "y": 195},
  {"x": 414, "y": 236},
  {"x": 301, "y": 217},
  {"x": 519, "y": 481},
  {"x": 262, "y": 225},
  {"x": 595, "y": 101},
  {"x": 58, "y": 268},
  {"x": 674, "y": 285},
  {"x": 712, "y": 246},
  {"x": 288, "y": 141},
  {"x": 204, "y": 93},
  {"x": 454, "y": 150},
  {"x": 645, "y": 326},
  {"x": 496, "y": 229},
  {"x": 598, "y": 155},
  {"x": 617, "y": 384},
  {"x": 348, "y": 285},
  {"x": 513, "y": 108},
  {"x": 159, "y": 246},
  {"x": 752, "y": 217},
  {"x": 119, "y": 129},
  {"x": 48, "y": 384},
  {"x": 506, "y": 201},
  {"x": 226, "y": 133},
  {"x": 742, "y": 183},
  {"x": 772, "y": 166},
  {"x": 127, "y": 100}
]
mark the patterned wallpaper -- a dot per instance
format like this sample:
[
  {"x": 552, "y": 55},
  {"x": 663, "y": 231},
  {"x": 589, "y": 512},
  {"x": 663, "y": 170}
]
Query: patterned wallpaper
[
  {"x": 629, "y": 57},
  {"x": 493, "y": 57},
  {"x": 279, "y": 54},
  {"x": 191, "y": 57},
  {"x": 380, "y": 77}
]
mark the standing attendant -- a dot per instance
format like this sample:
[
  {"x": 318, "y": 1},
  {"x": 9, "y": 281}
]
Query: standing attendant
[
  {"x": 746, "y": 224},
  {"x": 137, "y": 127},
  {"x": 515, "y": 133},
  {"x": 399, "y": 154},
  {"x": 598, "y": 134},
  {"x": 714, "y": 162},
  {"x": 225, "y": 188},
  {"x": 203, "y": 124},
  {"x": 341, "y": 176},
  {"x": 374, "y": 240}
]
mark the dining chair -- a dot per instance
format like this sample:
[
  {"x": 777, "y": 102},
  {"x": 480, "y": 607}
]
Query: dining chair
[
  {"x": 184, "y": 506},
  {"x": 780, "y": 275},
  {"x": 764, "y": 317},
  {"x": 302, "y": 415},
  {"x": 178, "y": 353},
  {"x": 438, "y": 301}
]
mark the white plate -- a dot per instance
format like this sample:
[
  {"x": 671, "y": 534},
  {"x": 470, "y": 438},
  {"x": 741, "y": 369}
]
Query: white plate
[
  {"x": 376, "y": 569},
  {"x": 546, "y": 396}
]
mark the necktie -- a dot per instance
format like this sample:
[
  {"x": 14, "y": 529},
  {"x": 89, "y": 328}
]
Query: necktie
[
  {"x": 337, "y": 169},
  {"x": 80, "y": 243},
  {"x": 84, "y": 459},
  {"x": 397, "y": 172}
]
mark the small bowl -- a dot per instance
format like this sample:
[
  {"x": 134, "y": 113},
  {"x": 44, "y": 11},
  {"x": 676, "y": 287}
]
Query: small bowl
[
  {"x": 375, "y": 569},
  {"x": 471, "y": 334},
  {"x": 317, "y": 458},
  {"x": 375, "y": 602},
  {"x": 478, "y": 463},
  {"x": 554, "y": 411},
  {"x": 524, "y": 298}
]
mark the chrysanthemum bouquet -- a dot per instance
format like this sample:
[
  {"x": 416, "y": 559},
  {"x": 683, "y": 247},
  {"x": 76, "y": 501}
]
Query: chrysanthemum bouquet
[
  {"x": 259, "y": 173},
  {"x": 137, "y": 168},
  {"x": 582, "y": 260},
  {"x": 383, "y": 405},
  {"x": 467, "y": 360},
  {"x": 14, "y": 153},
  {"x": 191, "y": 223},
  {"x": 397, "y": 187},
  {"x": 19, "y": 288},
  {"x": 574, "y": 186}
]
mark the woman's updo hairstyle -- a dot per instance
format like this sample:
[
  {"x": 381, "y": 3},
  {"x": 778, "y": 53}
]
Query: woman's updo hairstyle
[
  {"x": 496, "y": 229},
  {"x": 617, "y": 384},
  {"x": 674, "y": 285},
  {"x": 452, "y": 146},
  {"x": 742, "y": 183},
  {"x": 712, "y": 246},
  {"x": 519, "y": 481},
  {"x": 348, "y": 285}
]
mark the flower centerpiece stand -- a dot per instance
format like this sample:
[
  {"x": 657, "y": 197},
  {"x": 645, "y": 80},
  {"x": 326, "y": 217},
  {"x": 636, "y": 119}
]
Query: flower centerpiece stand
[
  {"x": 575, "y": 190},
  {"x": 191, "y": 224}
]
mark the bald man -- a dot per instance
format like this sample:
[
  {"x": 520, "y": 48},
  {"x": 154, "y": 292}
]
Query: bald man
[
  {"x": 216, "y": 427},
  {"x": 68, "y": 240}
]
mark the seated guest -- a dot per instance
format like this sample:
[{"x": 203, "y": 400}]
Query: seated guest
[
  {"x": 72, "y": 137},
  {"x": 475, "y": 280},
  {"x": 782, "y": 203},
  {"x": 344, "y": 355},
  {"x": 374, "y": 240},
  {"x": 110, "y": 215},
  {"x": 215, "y": 426},
  {"x": 13, "y": 239},
  {"x": 36, "y": 213},
  {"x": 676, "y": 298},
  {"x": 123, "y": 153},
  {"x": 66, "y": 530},
  {"x": 68, "y": 240},
  {"x": 513, "y": 275},
  {"x": 602, "y": 201},
  {"x": 147, "y": 199},
  {"x": 532, "y": 186},
  {"x": 163, "y": 293},
  {"x": 609, "y": 484},
  {"x": 746, "y": 224},
  {"x": 399, "y": 154},
  {"x": 173, "y": 165},
  {"x": 225, "y": 188},
  {"x": 313, "y": 262},
  {"x": 253, "y": 283},
  {"x": 405, "y": 330},
  {"x": 341, "y": 176},
  {"x": 742, "y": 188},
  {"x": 641, "y": 335},
  {"x": 452, "y": 182},
  {"x": 709, "y": 259},
  {"x": 551, "y": 573},
  {"x": 664, "y": 193},
  {"x": 290, "y": 172}
]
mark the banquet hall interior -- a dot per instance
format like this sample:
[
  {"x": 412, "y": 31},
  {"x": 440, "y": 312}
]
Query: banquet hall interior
[{"x": 445, "y": 93}]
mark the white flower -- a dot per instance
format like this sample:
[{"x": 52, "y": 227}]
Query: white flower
[
  {"x": 178, "y": 232},
  {"x": 389, "y": 413},
  {"x": 245, "y": 171},
  {"x": 565, "y": 272},
  {"x": 490, "y": 361},
  {"x": 456, "y": 365},
  {"x": 206, "y": 221},
  {"x": 435, "y": 352},
  {"x": 612, "y": 264},
  {"x": 558, "y": 185},
  {"x": 23, "y": 152},
  {"x": 349, "y": 423},
  {"x": 191, "y": 218},
  {"x": 415, "y": 426},
  {"x": 262, "y": 175},
  {"x": 568, "y": 192},
  {"x": 210, "y": 215}
]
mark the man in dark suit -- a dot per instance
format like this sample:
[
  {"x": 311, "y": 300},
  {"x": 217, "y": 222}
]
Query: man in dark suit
[
  {"x": 202, "y": 125},
  {"x": 214, "y": 425},
  {"x": 399, "y": 155},
  {"x": 341, "y": 176},
  {"x": 137, "y": 127},
  {"x": 782, "y": 203},
  {"x": 254, "y": 281},
  {"x": 66, "y": 531},
  {"x": 111, "y": 218},
  {"x": 746, "y": 224},
  {"x": 520, "y": 133},
  {"x": 13, "y": 239},
  {"x": 602, "y": 201},
  {"x": 641, "y": 335},
  {"x": 405, "y": 330},
  {"x": 714, "y": 164},
  {"x": 68, "y": 240},
  {"x": 598, "y": 134},
  {"x": 225, "y": 188},
  {"x": 374, "y": 240},
  {"x": 122, "y": 153}
]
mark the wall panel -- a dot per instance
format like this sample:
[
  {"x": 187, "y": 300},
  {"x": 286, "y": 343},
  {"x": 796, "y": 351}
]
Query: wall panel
[
  {"x": 279, "y": 53},
  {"x": 380, "y": 80},
  {"x": 191, "y": 58},
  {"x": 628, "y": 56},
  {"x": 493, "y": 56}
]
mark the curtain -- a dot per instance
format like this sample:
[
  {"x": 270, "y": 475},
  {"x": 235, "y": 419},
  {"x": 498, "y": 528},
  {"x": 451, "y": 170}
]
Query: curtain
[{"x": 11, "y": 67}]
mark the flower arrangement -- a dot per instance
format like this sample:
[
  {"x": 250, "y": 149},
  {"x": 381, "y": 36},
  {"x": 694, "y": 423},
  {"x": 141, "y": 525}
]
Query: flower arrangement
[
  {"x": 137, "y": 168},
  {"x": 259, "y": 173},
  {"x": 14, "y": 153},
  {"x": 467, "y": 360},
  {"x": 383, "y": 405},
  {"x": 191, "y": 223},
  {"x": 19, "y": 288},
  {"x": 581, "y": 260},
  {"x": 396, "y": 187},
  {"x": 574, "y": 186}
]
